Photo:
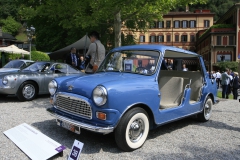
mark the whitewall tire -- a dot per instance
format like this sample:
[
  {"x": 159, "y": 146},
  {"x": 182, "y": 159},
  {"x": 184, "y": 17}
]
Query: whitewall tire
[{"x": 132, "y": 130}]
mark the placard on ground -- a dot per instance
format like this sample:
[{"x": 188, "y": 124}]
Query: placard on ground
[{"x": 33, "y": 143}]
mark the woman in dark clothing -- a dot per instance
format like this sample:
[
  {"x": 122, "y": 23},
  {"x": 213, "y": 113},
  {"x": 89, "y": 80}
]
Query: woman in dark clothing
[{"x": 235, "y": 85}]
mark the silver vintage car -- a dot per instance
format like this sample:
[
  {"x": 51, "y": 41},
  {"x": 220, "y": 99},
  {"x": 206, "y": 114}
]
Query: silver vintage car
[
  {"x": 15, "y": 65},
  {"x": 26, "y": 84}
]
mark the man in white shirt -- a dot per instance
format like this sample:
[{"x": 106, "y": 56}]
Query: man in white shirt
[{"x": 218, "y": 76}]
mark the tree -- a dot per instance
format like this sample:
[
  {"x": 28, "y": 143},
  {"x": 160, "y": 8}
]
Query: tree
[
  {"x": 11, "y": 26},
  {"x": 8, "y": 8},
  {"x": 111, "y": 13},
  {"x": 231, "y": 65}
]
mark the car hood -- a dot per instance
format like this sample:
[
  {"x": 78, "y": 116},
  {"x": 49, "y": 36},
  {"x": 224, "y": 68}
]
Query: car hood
[
  {"x": 9, "y": 70},
  {"x": 84, "y": 85}
]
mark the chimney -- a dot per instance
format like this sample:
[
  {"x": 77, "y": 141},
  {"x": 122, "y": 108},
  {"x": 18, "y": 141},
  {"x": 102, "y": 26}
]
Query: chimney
[
  {"x": 187, "y": 8},
  {"x": 0, "y": 31}
]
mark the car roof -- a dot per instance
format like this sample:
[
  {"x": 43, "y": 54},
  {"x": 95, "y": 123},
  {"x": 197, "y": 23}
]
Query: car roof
[{"x": 161, "y": 48}]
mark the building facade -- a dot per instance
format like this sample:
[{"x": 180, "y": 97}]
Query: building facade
[
  {"x": 221, "y": 42},
  {"x": 177, "y": 29}
]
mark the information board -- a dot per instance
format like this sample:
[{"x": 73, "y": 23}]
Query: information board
[{"x": 33, "y": 143}]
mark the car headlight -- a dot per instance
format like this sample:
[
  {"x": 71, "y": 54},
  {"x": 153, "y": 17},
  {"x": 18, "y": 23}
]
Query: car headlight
[
  {"x": 5, "y": 80},
  {"x": 52, "y": 87},
  {"x": 100, "y": 95}
]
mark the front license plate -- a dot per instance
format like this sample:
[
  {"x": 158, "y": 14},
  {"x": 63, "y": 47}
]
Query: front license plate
[{"x": 69, "y": 126}]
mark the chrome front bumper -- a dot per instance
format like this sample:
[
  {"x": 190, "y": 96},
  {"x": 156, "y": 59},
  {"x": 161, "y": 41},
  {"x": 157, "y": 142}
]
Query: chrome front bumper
[{"x": 104, "y": 130}]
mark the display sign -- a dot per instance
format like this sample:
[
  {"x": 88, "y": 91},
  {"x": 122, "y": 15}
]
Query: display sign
[
  {"x": 76, "y": 150},
  {"x": 33, "y": 143},
  {"x": 128, "y": 65}
]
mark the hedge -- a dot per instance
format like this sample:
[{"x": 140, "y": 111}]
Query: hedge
[
  {"x": 231, "y": 65},
  {"x": 40, "y": 56},
  {"x": 35, "y": 55}
]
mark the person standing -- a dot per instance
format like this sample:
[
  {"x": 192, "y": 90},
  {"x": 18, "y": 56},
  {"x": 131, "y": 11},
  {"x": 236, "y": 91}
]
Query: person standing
[
  {"x": 225, "y": 79},
  {"x": 81, "y": 63},
  {"x": 235, "y": 85},
  {"x": 72, "y": 58},
  {"x": 184, "y": 67},
  {"x": 229, "y": 88},
  {"x": 96, "y": 52},
  {"x": 218, "y": 76}
]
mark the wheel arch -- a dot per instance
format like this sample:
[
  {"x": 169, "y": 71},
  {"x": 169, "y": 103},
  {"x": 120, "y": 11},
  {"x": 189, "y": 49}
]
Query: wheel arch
[
  {"x": 208, "y": 95},
  {"x": 144, "y": 107},
  {"x": 32, "y": 82}
]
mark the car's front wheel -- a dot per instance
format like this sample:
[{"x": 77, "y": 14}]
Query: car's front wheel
[
  {"x": 132, "y": 130},
  {"x": 205, "y": 115},
  {"x": 27, "y": 91}
]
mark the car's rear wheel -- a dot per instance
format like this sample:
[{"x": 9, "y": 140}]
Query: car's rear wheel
[
  {"x": 27, "y": 91},
  {"x": 205, "y": 115},
  {"x": 132, "y": 130}
]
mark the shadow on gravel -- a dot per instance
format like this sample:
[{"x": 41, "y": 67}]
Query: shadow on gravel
[
  {"x": 169, "y": 127},
  {"x": 42, "y": 101},
  {"x": 221, "y": 125},
  {"x": 93, "y": 142},
  {"x": 13, "y": 98}
]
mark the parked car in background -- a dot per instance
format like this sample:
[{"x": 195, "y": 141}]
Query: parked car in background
[
  {"x": 34, "y": 79},
  {"x": 132, "y": 92},
  {"x": 16, "y": 65}
]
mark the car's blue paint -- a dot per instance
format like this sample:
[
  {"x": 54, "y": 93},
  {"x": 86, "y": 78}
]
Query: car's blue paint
[{"x": 126, "y": 90}]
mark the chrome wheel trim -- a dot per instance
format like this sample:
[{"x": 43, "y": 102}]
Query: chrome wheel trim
[
  {"x": 136, "y": 130},
  {"x": 208, "y": 109},
  {"x": 28, "y": 91}
]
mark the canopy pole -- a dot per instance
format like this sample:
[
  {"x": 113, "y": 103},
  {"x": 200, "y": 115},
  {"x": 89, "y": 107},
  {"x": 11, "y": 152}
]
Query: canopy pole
[{"x": 85, "y": 47}]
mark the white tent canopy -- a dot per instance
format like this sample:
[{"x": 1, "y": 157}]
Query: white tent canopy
[
  {"x": 79, "y": 45},
  {"x": 13, "y": 49}
]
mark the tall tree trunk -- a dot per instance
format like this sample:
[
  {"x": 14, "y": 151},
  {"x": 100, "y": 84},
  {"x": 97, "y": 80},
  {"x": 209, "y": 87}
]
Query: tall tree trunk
[{"x": 117, "y": 29}]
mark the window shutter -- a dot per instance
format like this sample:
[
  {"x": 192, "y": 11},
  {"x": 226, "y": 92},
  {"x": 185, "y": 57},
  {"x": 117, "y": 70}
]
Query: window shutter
[
  {"x": 189, "y": 24},
  {"x": 162, "y": 38},
  {"x": 182, "y": 38},
  {"x": 143, "y": 38},
  {"x": 194, "y": 24},
  {"x": 155, "y": 39},
  {"x": 174, "y": 24},
  {"x": 150, "y": 39},
  {"x": 180, "y": 24},
  {"x": 162, "y": 24}
]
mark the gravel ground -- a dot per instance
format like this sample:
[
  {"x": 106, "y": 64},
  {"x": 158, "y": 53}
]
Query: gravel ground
[{"x": 218, "y": 138}]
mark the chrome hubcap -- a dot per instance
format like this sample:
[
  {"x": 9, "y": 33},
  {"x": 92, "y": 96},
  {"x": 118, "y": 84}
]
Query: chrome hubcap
[
  {"x": 28, "y": 91},
  {"x": 136, "y": 130},
  {"x": 207, "y": 110}
]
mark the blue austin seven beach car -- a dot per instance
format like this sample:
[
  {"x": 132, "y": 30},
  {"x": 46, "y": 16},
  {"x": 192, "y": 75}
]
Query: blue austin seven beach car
[{"x": 136, "y": 88}]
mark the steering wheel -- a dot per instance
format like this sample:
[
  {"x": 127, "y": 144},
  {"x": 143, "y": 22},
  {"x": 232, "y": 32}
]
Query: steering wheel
[{"x": 142, "y": 70}]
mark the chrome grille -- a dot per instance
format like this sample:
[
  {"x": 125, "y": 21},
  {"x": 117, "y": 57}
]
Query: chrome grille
[{"x": 74, "y": 105}]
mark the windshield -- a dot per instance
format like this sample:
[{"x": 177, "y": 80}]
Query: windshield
[
  {"x": 38, "y": 66},
  {"x": 14, "y": 64},
  {"x": 140, "y": 62}
]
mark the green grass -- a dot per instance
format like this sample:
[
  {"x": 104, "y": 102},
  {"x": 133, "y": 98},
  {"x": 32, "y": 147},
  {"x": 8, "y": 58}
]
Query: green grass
[
  {"x": 21, "y": 37},
  {"x": 219, "y": 95}
]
